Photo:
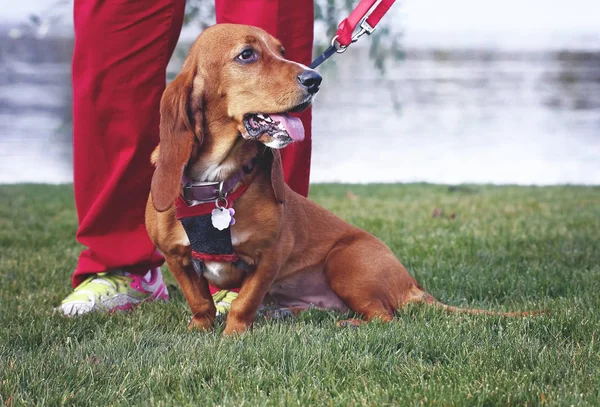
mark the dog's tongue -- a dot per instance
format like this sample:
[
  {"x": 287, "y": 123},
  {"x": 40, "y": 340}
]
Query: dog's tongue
[{"x": 292, "y": 125}]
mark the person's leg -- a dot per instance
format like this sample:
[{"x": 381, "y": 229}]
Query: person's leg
[
  {"x": 119, "y": 71},
  {"x": 121, "y": 53},
  {"x": 292, "y": 22}
]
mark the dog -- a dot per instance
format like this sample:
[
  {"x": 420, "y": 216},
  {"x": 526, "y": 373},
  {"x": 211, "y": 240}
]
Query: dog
[{"x": 227, "y": 110}]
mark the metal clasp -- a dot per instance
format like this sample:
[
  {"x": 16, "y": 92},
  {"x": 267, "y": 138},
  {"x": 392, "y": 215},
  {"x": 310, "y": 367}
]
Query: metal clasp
[
  {"x": 365, "y": 28},
  {"x": 221, "y": 197}
]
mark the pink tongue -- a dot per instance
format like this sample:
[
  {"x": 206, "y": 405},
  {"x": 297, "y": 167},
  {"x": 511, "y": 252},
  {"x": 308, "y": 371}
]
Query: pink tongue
[{"x": 292, "y": 125}]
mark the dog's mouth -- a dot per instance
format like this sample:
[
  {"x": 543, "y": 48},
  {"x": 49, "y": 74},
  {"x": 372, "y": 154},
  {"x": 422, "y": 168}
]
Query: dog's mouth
[
  {"x": 277, "y": 126},
  {"x": 302, "y": 106}
]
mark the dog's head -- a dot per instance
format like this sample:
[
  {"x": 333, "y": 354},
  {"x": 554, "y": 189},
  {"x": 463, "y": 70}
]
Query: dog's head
[{"x": 235, "y": 82}]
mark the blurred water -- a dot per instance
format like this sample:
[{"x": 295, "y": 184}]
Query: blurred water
[
  {"x": 462, "y": 117},
  {"x": 446, "y": 117},
  {"x": 35, "y": 139}
]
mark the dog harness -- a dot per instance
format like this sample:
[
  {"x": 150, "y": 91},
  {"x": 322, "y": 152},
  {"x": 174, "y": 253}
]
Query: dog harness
[
  {"x": 195, "y": 206},
  {"x": 196, "y": 209}
]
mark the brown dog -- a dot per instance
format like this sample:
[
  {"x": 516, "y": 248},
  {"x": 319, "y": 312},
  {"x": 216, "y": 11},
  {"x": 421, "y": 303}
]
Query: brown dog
[{"x": 217, "y": 115}]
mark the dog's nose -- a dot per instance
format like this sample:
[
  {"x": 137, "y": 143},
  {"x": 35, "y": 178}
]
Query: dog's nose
[{"x": 310, "y": 80}]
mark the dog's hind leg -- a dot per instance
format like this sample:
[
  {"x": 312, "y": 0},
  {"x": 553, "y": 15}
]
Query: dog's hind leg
[{"x": 368, "y": 278}]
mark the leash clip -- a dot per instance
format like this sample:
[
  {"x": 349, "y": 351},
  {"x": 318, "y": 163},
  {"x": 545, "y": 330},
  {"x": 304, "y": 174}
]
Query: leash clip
[
  {"x": 365, "y": 28},
  {"x": 372, "y": 10}
]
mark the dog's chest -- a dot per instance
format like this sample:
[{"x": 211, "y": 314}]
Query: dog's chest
[
  {"x": 239, "y": 236},
  {"x": 222, "y": 274}
]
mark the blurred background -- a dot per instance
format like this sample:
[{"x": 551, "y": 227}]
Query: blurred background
[{"x": 462, "y": 91}]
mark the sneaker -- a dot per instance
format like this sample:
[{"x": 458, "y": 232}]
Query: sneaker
[
  {"x": 113, "y": 291},
  {"x": 223, "y": 300}
]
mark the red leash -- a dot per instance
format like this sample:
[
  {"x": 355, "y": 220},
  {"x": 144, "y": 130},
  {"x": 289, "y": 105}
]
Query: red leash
[{"x": 366, "y": 15}]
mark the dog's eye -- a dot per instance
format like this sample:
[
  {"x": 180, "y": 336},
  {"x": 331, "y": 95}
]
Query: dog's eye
[{"x": 247, "y": 55}]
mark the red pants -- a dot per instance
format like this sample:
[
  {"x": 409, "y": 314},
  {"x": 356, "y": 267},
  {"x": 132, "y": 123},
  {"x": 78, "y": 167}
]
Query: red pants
[{"x": 119, "y": 72}]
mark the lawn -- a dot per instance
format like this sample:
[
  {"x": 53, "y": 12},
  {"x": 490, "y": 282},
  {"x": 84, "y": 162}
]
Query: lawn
[{"x": 500, "y": 248}]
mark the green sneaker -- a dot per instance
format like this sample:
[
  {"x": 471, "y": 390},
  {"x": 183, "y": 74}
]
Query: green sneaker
[
  {"x": 113, "y": 291},
  {"x": 223, "y": 300}
]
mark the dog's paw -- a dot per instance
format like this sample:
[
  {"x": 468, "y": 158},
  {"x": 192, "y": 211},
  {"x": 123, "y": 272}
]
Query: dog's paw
[{"x": 201, "y": 324}]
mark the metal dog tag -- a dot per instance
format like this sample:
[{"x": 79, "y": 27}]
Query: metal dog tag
[{"x": 221, "y": 218}]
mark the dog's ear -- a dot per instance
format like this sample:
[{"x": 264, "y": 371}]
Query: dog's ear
[
  {"x": 177, "y": 132},
  {"x": 277, "y": 180}
]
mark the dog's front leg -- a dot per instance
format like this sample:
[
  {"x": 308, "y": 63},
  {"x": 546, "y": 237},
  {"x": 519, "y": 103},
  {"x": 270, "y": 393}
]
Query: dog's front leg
[
  {"x": 196, "y": 292},
  {"x": 253, "y": 291}
]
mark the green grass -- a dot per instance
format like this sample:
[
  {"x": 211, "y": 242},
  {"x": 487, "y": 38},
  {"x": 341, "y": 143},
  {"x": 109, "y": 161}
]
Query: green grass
[{"x": 507, "y": 248}]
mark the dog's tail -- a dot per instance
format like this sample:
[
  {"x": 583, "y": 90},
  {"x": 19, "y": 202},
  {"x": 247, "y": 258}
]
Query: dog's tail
[{"x": 422, "y": 296}]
